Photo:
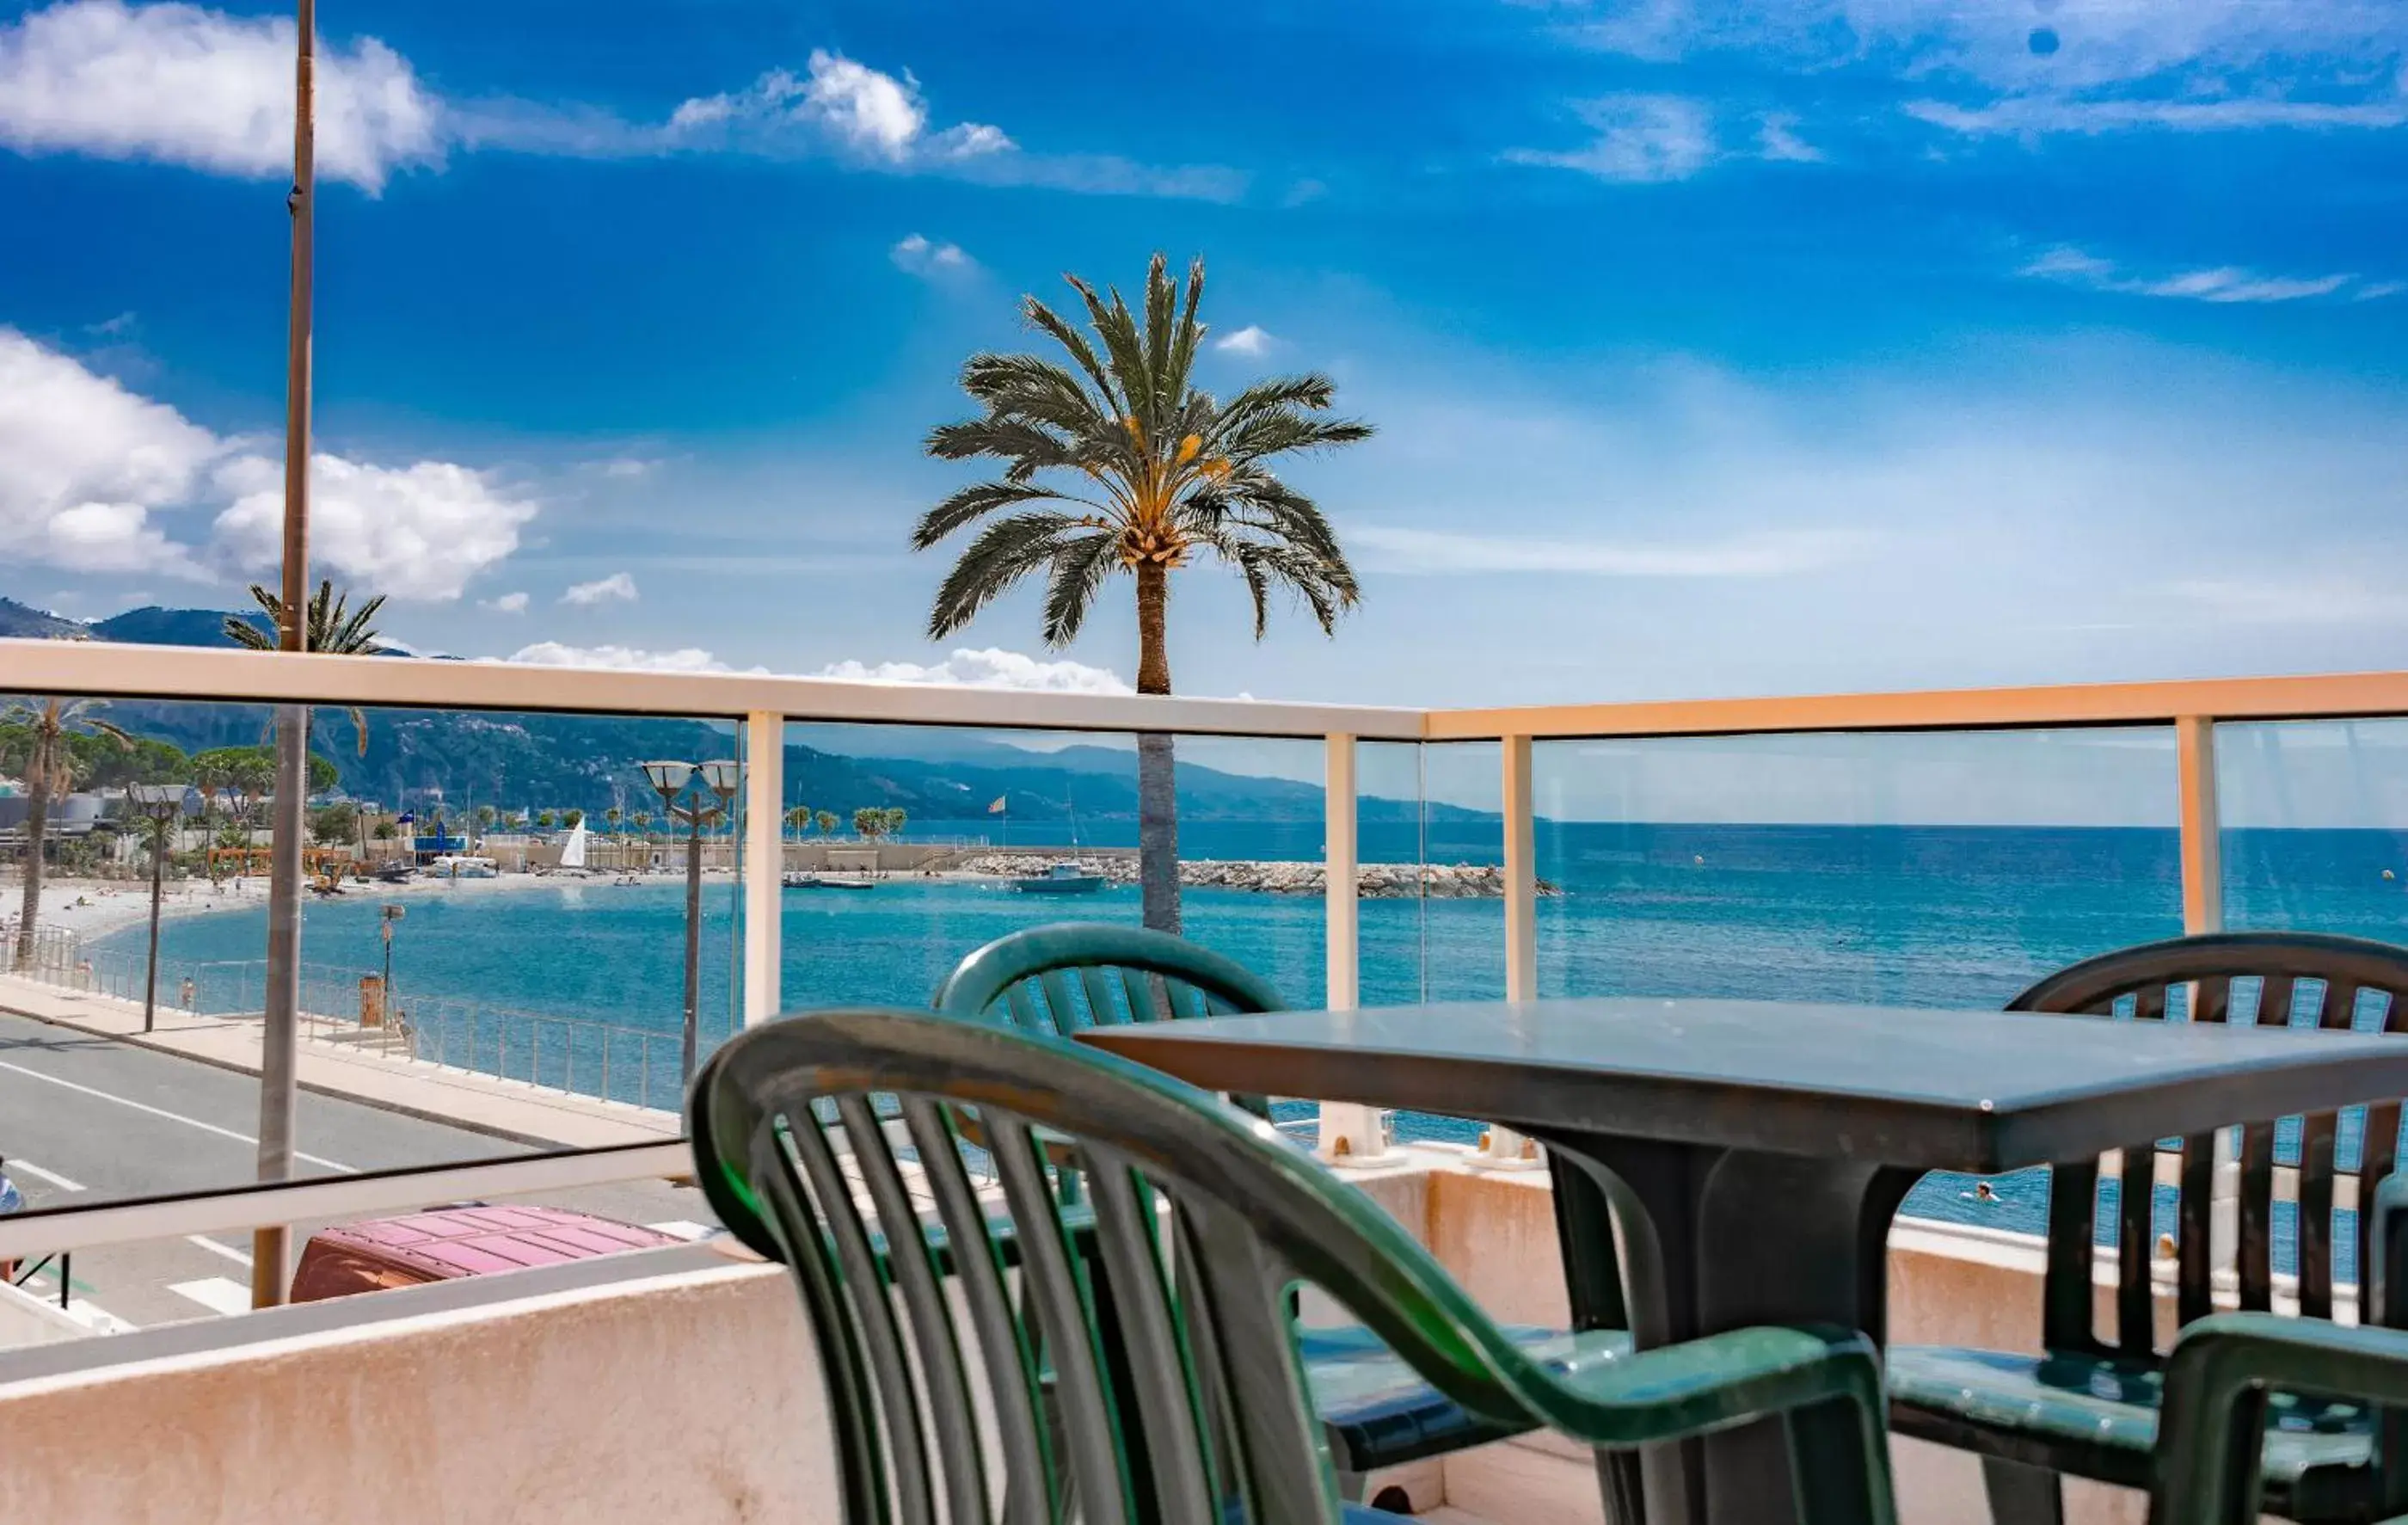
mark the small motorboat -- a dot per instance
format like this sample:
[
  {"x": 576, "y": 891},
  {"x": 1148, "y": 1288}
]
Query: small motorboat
[
  {"x": 818, "y": 881},
  {"x": 1061, "y": 879}
]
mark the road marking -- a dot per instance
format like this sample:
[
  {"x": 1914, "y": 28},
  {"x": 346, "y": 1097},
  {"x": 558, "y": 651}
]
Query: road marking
[
  {"x": 205, "y": 1242},
  {"x": 682, "y": 1228},
  {"x": 38, "y": 1174},
  {"x": 215, "y": 1293},
  {"x": 171, "y": 1117}
]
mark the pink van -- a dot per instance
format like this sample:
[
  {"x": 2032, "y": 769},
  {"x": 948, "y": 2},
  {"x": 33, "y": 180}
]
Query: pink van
[{"x": 468, "y": 1240}]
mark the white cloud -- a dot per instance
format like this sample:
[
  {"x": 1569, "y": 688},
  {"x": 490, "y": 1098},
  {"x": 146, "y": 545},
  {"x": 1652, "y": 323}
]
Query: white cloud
[
  {"x": 183, "y": 84},
  {"x": 618, "y": 586},
  {"x": 89, "y": 471},
  {"x": 846, "y": 105},
  {"x": 2074, "y": 266},
  {"x": 1251, "y": 340},
  {"x": 626, "y": 467},
  {"x": 1640, "y": 139},
  {"x": 2376, "y": 291},
  {"x": 117, "y": 327},
  {"x": 1769, "y": 553},
  {"x": 418, "y": 532},
  {"x": 554, "y": 654},
  {"x": 2030, "y": 116},
  {"x": 920, "y": 256},
  {"x": 2034, "y": 66},
  {"x": 507, "y": 603},
  {"x": 1777, "y": 141},
  {"x": 85, "y": 461},
  {"x": 990, "y": 667}
]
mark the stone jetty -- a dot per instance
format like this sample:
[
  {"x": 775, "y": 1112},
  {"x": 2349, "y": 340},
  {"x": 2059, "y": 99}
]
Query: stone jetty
[{"x": 1372, "y": 881}]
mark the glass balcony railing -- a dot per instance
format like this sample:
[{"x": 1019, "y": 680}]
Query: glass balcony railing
[{"x": 1937, "y": 850}]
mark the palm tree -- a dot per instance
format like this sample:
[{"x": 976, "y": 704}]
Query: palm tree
[
  {"x": 49, "y": 765},
  {"x": 1141, "y": 472},
  {"x": 892, "y": 821},
  {"x": 333, "y": 628},
  {"x": 869, "y": 822},
  {"x": 828, "y": 823},
  {"x": 799, "y": 819}
]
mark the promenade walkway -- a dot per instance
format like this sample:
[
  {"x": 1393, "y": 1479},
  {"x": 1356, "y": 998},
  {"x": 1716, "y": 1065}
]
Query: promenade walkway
[{"x": 514, "y": 1110}]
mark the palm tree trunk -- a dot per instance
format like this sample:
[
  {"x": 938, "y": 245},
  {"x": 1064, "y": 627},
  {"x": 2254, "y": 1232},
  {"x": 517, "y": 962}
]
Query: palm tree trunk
[
  {"x": 37, "y": 825},
  {"x": 1157, "y": 793}
]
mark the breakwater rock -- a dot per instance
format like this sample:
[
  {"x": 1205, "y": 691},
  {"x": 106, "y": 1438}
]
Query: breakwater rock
[{"x": 1372, "y": 881}]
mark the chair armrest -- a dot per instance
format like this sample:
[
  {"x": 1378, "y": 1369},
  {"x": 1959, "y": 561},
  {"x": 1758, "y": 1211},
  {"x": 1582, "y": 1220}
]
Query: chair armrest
[
  {"x": 2212, "y": 1431},
  {"x": 2387, "y": 1294}
]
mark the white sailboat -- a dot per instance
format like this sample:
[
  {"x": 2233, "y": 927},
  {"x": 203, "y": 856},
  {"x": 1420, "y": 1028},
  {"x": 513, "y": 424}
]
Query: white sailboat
[{"x": 572, "y": 853}]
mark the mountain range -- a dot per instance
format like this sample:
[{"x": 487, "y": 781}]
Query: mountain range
[{"x": 591, "y": 762}]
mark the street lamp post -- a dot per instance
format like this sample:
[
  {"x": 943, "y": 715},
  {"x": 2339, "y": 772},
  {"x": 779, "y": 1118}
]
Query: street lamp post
[
  {"x": 719, "y": 783},
  {"x": 390, "y": 914},
  {"x": 159, "y": 804}
]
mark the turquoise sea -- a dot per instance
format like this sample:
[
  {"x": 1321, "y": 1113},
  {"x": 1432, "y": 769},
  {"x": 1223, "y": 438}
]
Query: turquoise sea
[{"x": 1922, "y": 915}]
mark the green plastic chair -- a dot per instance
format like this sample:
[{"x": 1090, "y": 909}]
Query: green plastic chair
[
  {"x": 2228, "y": 1384},
  {"x": 1175, "y": 1380},
  {"x": 1060, "y": 979},
  {"x": 2087, "y": 1405}
]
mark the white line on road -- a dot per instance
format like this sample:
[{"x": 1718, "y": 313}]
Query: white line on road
[
  {"x": 171, "y": 1117},
  {"x": 215, "y": 1293},
  {"x": 683, "y": 1228},
  {"x": 205, "y": 1242},
  {"x": 20, "y": 1162}
]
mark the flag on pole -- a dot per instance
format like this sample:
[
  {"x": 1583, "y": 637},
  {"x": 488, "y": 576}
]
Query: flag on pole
[{"x": 997, "y": 809}]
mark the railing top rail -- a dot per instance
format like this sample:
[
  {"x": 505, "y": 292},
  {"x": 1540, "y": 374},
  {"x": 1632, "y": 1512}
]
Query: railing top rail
[
  {"x": 183, "y": 673},
  {"x": 2341, "y": 696},
  {"x": 173, "y": 672}
]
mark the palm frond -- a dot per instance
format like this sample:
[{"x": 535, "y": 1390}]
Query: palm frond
[
  {"x": 1050, "y": 323},
  {"x": 971, "y": 504},
  {"x": 1005, "y": 552},
  {"x": 1081, "y": 568}
]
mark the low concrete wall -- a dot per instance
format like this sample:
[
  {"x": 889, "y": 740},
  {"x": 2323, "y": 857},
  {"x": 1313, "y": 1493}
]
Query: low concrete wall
[
  {"x": 696, "y": 1398},
  {"x": 683, "y": 1400}
]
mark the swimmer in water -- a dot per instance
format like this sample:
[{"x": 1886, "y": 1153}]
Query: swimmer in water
[{"x": 1983, "y": 1192}]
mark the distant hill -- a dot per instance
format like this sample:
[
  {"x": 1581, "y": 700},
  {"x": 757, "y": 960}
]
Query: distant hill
[
  {"x": 24, "y": 622},
  {"x": 155, "y": 626},
  {"x": 591, "y": 762}
]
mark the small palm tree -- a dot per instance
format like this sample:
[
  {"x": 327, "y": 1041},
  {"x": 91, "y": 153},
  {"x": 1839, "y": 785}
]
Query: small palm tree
[
  {"x": 1117, "y": 463},
  {"x": 828, "y": 823},
  {"x": 799, "y": 819},
  {"x": 50, "y": 769},
  {"x": 333, "y": 628}
]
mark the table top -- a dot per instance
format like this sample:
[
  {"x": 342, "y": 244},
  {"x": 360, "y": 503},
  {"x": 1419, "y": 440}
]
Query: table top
[{"x": 1982, "y": 1090}]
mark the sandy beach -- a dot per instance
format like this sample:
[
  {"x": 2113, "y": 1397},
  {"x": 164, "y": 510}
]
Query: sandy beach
[{"x": 94, "y": 908}]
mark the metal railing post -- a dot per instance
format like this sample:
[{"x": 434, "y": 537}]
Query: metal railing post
[
  {"x": 2202, "y": 828},
  {"x": 1348, "y": 1131},
  {"x": 1501, "y": 1149},
  {"x": 763, "y": 866}
]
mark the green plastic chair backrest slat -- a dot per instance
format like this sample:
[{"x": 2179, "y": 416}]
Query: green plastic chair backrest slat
[
  {"x": 1170, "y": 1389},
  {"x": 1122, "y": 973},
  {"x": 2139, "y": 982}
]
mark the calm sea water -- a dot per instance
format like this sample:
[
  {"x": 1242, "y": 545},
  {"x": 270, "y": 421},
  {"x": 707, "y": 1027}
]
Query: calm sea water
[{"x": 1959, "y": 917}]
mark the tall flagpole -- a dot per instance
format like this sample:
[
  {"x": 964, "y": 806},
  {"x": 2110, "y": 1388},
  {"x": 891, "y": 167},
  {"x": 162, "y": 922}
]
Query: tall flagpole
[{"x": 270, "y": 1246}]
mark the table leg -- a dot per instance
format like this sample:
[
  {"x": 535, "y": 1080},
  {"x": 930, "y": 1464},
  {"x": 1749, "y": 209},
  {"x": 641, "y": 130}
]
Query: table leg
[{"x": 1713, "y": 1240}]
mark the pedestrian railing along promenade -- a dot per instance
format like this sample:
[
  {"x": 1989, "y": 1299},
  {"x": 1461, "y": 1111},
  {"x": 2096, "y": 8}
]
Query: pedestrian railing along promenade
[{"x": 2182, "y": 718}]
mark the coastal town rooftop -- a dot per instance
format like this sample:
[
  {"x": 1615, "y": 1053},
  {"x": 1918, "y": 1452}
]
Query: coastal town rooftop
[{"x": 678, "y": 1384}]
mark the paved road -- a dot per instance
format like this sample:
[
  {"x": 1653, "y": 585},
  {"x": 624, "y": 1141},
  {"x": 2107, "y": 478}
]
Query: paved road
[{"x": 84, "y": 1119}]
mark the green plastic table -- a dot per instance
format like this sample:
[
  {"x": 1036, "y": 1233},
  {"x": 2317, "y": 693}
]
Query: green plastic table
[{"x": 1754, "y": 1152}]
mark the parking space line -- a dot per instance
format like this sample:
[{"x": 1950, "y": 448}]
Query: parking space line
[
  {"x": 20, "y": 1162},
  {"x": 171, "y": 1117},
  {"x": 215, "y": 1293},
  {"x": 205, "y": 1242}
]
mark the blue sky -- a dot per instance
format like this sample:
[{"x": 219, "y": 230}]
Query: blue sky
[{"x": 1716, "y": 347}]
